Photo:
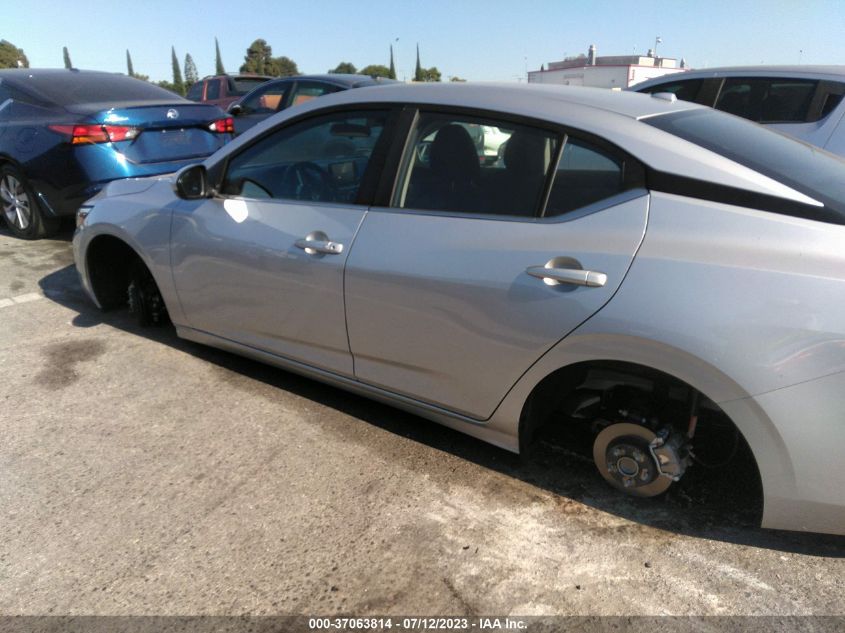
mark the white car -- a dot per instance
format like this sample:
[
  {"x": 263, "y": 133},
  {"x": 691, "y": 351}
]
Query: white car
[{"x": 802, "y": 101}]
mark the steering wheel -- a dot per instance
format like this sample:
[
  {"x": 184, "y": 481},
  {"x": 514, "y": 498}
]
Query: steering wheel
[{"x": 307, "y": 181}]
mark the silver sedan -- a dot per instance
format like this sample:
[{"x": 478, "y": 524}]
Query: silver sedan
[{"x": 664, "y": 280}]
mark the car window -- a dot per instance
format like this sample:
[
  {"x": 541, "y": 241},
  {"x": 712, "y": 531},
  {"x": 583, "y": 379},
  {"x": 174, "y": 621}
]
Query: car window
[
  {"x": 767, "y": 100},
  {"x": 74, "y": 87},
  {"x": 585, "y": 175},
  {"x": 686, "y": 90},
  {"x": 195, "y": 93},
  {"x": 213, "y": 90},
  {"x": 266, "y": 100},
  {"x": 305, "y": 91},
  {"x": 242, "y": 85},
  {"x": 803, "y": 167},
  {"x": 474, "y": 165},
  {"x": 322, "y": 159}
]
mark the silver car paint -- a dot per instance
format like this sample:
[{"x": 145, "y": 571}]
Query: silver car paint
[
  {"x": 240, "y": 276},
  {"x": 441, "y": 308},
  {"x": 776, "y": 370}
]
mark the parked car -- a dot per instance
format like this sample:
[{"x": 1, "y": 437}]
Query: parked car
[
  {"x": 802, "y": 101},
  {"x": 656, "y": 276},
  {"x": 223, "y": 90},
  {"x": 65, "y": 133},
  {"x": 275, "y": 96}
]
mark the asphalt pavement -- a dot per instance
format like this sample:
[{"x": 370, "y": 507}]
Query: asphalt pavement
[{"x": 142, "y": 474}]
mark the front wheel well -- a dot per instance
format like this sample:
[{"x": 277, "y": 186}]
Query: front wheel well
[{"x": 111, "y": 263}]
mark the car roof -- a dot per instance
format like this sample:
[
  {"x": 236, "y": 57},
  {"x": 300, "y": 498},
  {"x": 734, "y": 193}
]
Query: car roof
[
  {"x": 535, "y": 100},
  {"x": 794, "y": 72}
]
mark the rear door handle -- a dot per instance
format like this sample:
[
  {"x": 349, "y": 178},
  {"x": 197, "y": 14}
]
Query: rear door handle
[
  {"x": 574, "y": 276},
  {"x": 313, "y": 247}
]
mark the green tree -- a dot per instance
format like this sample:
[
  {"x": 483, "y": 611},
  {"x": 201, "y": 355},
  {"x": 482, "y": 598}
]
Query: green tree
[
  {"x": 191, "y": 74},
  {"x": 392, "y": 74},
  {"x": 178, "y": 84},
  {"x": 66, "y": 55},
  {"x": 218, "y": 60},
  {"x": 375, "y": 70},
  {"x": 456, "y": 79},
  {"x": 257, "y": 57},
  {"x": 282, "y": 67},
  {"x": 129, "y": 69},
  {"x": 167, "y": 85},
  {"x": 11, "y": 56},
  {"x": 418, "y": 70},
  {"x": 346, "y": 68},
  {"x": 430, "y": 74}
]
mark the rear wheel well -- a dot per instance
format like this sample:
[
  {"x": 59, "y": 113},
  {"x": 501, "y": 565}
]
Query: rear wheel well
[{"x": 574, "y": 404}]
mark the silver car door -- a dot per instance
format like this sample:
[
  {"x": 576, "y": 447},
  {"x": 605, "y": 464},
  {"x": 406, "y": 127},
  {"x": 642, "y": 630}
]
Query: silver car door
[
  {"x": 451, "y": 296},
  {"x": 262, "y": 264}
]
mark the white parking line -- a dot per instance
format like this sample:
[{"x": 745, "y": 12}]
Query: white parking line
[{"x": 31, "y": 296}]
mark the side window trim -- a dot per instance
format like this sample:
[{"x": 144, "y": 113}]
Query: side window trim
[
  {"x": 634, "y": 172},
  {"x": 369, "y": 180}
]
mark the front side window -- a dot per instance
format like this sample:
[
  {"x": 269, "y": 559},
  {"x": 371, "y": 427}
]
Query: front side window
[
  {"x": 474, "y": 165},
  {"x": 266, "y": 100},
  {"x": 322, "y": 159}
]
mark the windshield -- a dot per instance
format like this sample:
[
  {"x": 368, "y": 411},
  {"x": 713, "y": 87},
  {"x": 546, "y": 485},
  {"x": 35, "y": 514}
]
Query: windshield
[{"x": 806, "y": 168}]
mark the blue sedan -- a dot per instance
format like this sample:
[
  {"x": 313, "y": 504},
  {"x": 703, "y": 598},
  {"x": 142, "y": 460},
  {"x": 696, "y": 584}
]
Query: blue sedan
[{"x": 64, "y": 134}]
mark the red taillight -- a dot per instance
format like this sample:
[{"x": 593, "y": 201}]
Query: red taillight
[
  {"x": 96, "y": 133},
  {"x": 223, "y": 126}
]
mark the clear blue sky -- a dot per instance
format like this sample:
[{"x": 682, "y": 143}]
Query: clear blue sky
[{"x": 491, "y": 40}]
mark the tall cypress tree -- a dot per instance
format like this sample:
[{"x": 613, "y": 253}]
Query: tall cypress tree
[
  {"x": 418, "y": 71},
  {"x": 191, "y": 74},
  {"x": 178, "y": 84},
  {"x": 218, "y": 62},
  {"x": 67, "y": 57},
  {"x": 392, "y": 67},
  {"x": 129, "y": 69}
]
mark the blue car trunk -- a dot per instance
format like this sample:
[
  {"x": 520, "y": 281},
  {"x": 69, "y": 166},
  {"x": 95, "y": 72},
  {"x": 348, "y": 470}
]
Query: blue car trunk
[{"x": 160, "y": 132}]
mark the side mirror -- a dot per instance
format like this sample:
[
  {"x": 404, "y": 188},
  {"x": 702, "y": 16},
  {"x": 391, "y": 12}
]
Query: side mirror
[
  {"x": 191, "y": 183},
  {"x": 236, "y": 109}
]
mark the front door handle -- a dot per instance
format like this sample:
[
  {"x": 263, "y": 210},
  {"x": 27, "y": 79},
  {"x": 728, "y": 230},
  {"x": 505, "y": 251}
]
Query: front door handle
[
  {"x": 312, "y": 247},
  {"x": 574, "y": 276}
]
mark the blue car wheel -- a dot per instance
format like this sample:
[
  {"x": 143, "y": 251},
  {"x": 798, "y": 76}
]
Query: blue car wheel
[{"x": 20, "y": 207}]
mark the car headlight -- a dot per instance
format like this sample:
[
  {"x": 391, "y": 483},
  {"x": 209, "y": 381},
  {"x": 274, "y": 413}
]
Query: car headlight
[{"x": 82, "y": 214}]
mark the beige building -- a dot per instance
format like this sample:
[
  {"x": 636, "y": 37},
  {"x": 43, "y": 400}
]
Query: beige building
[{"x": 614, "y": 71}]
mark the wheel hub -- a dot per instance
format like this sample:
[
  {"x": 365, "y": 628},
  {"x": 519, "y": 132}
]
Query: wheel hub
[{"x": 623, "y": 457}]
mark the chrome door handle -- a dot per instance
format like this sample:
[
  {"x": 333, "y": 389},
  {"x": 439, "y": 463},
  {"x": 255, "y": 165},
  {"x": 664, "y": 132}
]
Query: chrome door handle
[
  {"x": 574, "y": 276},
  {"x": 319, "y": 246}
]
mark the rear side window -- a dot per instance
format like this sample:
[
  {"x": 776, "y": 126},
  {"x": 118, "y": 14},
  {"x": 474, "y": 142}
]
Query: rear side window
[
  {"x": 585, "y": 175},
  {"x": 195, "y": 93},
  {"x": 686, "y": 90},
  {"x": 213, "y": 90},
  {"x": 242, "y": 85},
  {"x": 803, "y": 167},
  {"x": 767, "y": 100},
  {"x": 323, "y": 159},
  {"x": 465, "y": 164}
]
